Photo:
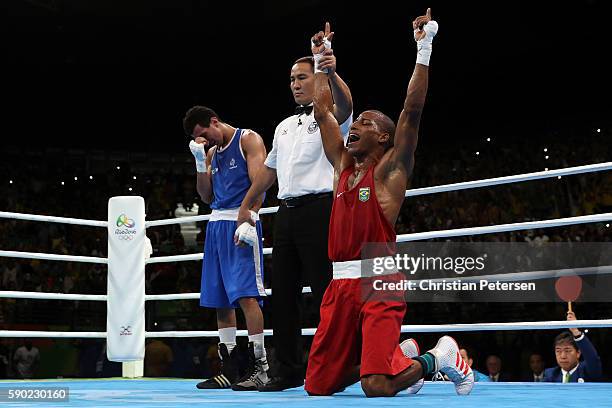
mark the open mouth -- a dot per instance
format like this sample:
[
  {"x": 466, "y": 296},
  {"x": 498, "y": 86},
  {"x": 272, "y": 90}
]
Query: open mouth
[{"x": 352, "y": 138}]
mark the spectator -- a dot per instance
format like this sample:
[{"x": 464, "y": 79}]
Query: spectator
[
  {"x": 9, "y": 275},
  {"x": 4, "y": 358},
  {"x": 26, "y": 360},
  {"x": 570, "y": 347},
  {"x": 468, "y": 356},
  {"x": 494, "y": 365},
  {"x": 158, "y": 359},
  {"x": 536, "y": 367}
]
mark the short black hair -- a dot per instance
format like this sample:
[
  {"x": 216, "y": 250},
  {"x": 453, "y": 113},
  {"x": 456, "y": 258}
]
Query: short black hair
[
  {"x": 386, "y": 125},
  {"x": 566, "y": 338},
  {"x": 198, "y": 115},
  {"x": 308, "y": 60},
  {"x": 469, "y": 352}
]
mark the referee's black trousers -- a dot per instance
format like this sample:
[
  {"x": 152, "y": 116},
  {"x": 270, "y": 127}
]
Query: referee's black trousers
[{"x": 299, "y": 259}]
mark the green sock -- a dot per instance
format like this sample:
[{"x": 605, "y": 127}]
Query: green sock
[{"x": 428, "y": 361}]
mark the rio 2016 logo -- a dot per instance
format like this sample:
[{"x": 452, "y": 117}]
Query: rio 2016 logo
[{"x": 126, "y": 222}]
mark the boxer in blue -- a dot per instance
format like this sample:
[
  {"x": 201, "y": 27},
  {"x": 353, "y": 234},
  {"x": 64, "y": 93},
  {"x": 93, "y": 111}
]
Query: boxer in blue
[{"x": 227, "y": 160}]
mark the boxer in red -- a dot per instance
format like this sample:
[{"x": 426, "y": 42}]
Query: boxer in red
[{"x": 357, "y": 338}]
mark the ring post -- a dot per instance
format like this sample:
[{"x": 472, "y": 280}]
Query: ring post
[{"x": 125, "y": 317}]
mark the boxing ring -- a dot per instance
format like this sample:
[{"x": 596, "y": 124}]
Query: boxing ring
[{"x": 172, "y": 392}]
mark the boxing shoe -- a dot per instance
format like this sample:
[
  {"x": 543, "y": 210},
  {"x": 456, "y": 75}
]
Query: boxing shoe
[
  {"x": 410, "y": 348},
  {"x": 449, "y": 362}
]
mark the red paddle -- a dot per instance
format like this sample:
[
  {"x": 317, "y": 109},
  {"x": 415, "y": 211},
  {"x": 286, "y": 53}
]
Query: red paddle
[{"x": 568, "y": 288}]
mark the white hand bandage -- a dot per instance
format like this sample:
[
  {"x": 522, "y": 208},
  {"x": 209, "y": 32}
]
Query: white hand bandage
[
  {"x": 424, "y": 44},
  {"x": 317, "y": 57},
  {"x": 197, "y": 149},
  {"x": 246, "y": 233}
]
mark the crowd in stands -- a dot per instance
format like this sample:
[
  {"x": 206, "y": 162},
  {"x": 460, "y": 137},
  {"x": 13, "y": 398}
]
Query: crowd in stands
[{"x": 80, "y": 183}]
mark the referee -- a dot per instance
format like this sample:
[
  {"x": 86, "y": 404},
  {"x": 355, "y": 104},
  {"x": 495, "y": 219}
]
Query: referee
[{"x": 305, "y": 181}]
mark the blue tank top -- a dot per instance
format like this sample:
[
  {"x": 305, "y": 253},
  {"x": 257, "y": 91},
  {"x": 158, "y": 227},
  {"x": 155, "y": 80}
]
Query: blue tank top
[{"x": 230, "y": 175}]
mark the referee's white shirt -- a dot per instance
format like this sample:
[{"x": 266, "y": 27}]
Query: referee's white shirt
[{"x": 298, "y": 157}]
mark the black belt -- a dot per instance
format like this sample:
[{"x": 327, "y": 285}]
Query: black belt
[{"x": 293, "y": 202}]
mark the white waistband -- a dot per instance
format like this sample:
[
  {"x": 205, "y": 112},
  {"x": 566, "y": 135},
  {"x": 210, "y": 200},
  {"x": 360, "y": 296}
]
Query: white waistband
[
  {"x": 361, "y": 268},
  {"x": 229, "y": 215}
]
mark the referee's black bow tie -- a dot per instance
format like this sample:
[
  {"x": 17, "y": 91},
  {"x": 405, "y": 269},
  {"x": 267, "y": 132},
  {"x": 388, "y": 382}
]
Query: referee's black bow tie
[{"x": 303, "y": 109}]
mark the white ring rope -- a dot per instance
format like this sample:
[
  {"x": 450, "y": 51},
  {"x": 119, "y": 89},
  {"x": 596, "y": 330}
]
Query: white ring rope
[
  {"x": 198, "y": 218},
  {"x": 58, "y": 334},
  {"x": 459, "y": 232},
  {"x": 416, "y": 328},
  {"x": 538, "y": 175},
  {"x": 50, "y": 296},
  {"x": 187, "y": 257},
  {"x": 187, "y": 296},
  {"x": 422, "y": 328},
  {"x": 53, "y": 257},
  {"x": 49, "y": 218},
  {"x": 590, "y": 168},
  {"x": 532, "y": 275}
]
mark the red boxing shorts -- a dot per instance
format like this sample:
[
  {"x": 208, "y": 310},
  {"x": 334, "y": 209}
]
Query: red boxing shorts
[{"x": 355, "y": 331}]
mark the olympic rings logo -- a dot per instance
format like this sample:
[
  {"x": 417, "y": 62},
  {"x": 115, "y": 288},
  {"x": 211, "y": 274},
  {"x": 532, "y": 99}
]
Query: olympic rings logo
[
  {"x": 125, "y": 237},
  {"x": 124, "y": 221}
]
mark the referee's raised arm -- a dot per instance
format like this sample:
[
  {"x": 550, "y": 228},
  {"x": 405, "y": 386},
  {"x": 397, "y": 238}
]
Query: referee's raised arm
[{"x": 305, "y": 183}]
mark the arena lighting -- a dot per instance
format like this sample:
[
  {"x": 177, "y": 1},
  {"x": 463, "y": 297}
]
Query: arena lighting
[
  {"x": 10, "y": 181},
  {"x": 607, "y": 225},
  {"x": 76, "y": 178},
  {"x": 477, "y": 153},
  {"x": 118, "y": 168},
  {"x": 134, "y": 177},
  {"x": 559, "y": 177},
  {"x": 62, "y": 183},
  {"x": 546, "y": 169},
  {"x": 545, "y": 149},
  {"x": 598, "y": 130},
  {"x": 130, "y": 189},
  {"x": 91, "y": 177},
  {"x": 488, "y": 139},
  {"x": 546, "y": 157}
]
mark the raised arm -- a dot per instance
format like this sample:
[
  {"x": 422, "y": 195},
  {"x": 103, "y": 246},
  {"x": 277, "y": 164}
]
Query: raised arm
[
  {"x": 343, "y": 100},
  {"x": 587, "y": 350},
  {"x": 407, "y": 130},
  {"x": 333, "y": 145},
  {"x": 202, "y": 159},
  {"x": 341, "y": 94}
]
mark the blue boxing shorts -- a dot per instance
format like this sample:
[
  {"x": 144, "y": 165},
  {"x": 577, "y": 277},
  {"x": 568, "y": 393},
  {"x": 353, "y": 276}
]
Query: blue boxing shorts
[{"x": 230, "y": 272}]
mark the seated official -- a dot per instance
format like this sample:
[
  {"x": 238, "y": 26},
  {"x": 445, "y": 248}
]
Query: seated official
[
  {"x": 576, "y": 356},
  {"x": 536, "y": 368},
  {"x": 494, "y": 365},
  {"x": 468, "y": 355}
]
